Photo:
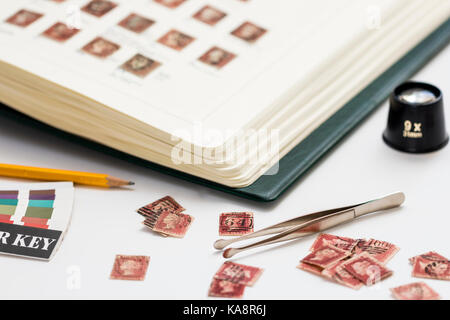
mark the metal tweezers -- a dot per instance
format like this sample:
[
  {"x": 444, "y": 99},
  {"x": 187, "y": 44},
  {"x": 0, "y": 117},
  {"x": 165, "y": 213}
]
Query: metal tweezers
[{"x": 312, "y": 223}]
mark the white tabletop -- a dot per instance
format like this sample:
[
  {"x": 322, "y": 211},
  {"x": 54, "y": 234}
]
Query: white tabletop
[{"x": 105, "y": 222}]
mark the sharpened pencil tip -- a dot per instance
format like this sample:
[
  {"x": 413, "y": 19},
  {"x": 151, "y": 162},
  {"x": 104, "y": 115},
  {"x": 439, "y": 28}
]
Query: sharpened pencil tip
[{"x": 131, "y": 183}]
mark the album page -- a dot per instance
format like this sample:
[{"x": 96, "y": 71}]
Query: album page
[{"x": 178, "y": 64}]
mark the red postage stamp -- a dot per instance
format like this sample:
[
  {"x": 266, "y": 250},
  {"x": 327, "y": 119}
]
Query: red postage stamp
[
  {"x": 432, "y": 269},
  {"x": 325, "y": 256},
  {"x": 217, "y": 57},
  {"x": 130, "y": 267},
  {"x": 164, "y": 204},
  {"x": 238, "y": 273},
  {"x": 366, "y": 269},
  {"x": 170, "y": 3},
  {"x": 23, "y": 18},
  {"x": 324, "y": 239},
  {"x": 341, "y": 276},
  {"x": 60, "y": 32},
  {"x": 226, "y": 289},
  {"x": 101, "y": 48},
  {"x": 415, "y": 291},
  {"x": 174, "y": 224},
  {"x": 176, "y": 40},
  {"x": 209, "y": 15},
  {"x": 249, "y": 32},
  {"x": 140, "y": 65},
  {"x": 136, "y": 23},
  {"x": 236, "y": 223},
  {"x": 431, "y": 256},
  {"x": 310, "y": 268},
  {"x": 99, "y": 8},
  {"x": 380, "y": 250}
]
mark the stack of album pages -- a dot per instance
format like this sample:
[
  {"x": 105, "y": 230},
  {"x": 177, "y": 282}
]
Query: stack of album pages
[{"x": 220, "y": 90}]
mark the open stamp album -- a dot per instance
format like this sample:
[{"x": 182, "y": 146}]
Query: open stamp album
[{"x": 218, "y": 89}]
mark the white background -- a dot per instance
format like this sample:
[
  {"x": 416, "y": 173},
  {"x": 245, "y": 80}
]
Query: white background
[{"x": 105, "y": 222}]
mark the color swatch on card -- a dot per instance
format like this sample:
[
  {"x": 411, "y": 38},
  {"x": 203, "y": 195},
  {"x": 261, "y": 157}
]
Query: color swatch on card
[
  {"x": 40, "y": 208},
  {"x": 8, "y": 205}
]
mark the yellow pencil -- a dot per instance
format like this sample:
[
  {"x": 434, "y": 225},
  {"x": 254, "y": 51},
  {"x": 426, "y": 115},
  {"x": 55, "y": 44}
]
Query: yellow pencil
[{"x": 91, "y": 179}]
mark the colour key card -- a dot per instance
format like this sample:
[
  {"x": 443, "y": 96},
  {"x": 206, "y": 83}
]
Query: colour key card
[{"x": 34, "y": 218}]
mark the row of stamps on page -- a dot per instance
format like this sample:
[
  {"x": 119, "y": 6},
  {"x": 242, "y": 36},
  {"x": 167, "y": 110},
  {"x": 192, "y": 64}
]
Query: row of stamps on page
[{"x": 141, "y": 65}]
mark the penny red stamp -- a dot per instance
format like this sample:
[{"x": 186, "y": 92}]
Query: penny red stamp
[
  {"x": 217, "y": 57},
  {"x": 99, "y": 8},
  {"x": 174, "y": 224},
  {"x": 130, "y": 267},
  {"x": 164, "y": 204},
  {"x": 366, "y": 269},
  {"x": 310, "y": 268},
  {"x": 238, "y": 273},
  {"x": 380, "y": 250},
  {"x": 343, "y": 243},
  {"x": 176, "y": 40},
  {"x": 140, "y": 65},
  {"x": 431, "y": 256},
  {"x": 249, "y": 32},
  {"x": 101, "y": 48},
  {"x": 209, "y": 15},
  {"x": 341, "y": 276},
  {"x": 136, "y": 23},
  {"x": 236, "y": 223},
  {"x": 415, "y": 291},
  {"x": 325, "y": 256},
  {"x": 60, "y": 32},
  {"x": 432, "y": 269},
  {"x": 172, "y": 4},
  {"x": 23, "y": 18},
  {"x": 226, "y": 289}
]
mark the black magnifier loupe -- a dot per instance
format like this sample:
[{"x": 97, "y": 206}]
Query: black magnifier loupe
[{"x": 416, "y": 122}]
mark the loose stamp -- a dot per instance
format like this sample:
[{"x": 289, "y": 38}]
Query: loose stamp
[
  {"x": 174, "y": 224},
  {"x": 130, "y": 267},
  {"x": 415, "y": 291},
  {"x": 431, "y": 256},
  {"x": 238, "y": 273},
  {"x": 366, "y": 269},
  {"x": 226, "y": 289},
  {"x": 324, "y": 239},
  {"x": 325, "y": 257},
  {"x": 236, "y": 223},
  {"x": 431, "y": 269},
  {"x": 381, "y": 250},
  {"x": 164, "y": 204}
]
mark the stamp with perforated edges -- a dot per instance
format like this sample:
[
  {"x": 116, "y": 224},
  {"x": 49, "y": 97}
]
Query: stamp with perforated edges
[
  {"x": 415, "y": 291},
  {"x": 238, "y": 273},
  {"x": 325, "y": 256},
  {"x": 236, "y": 223},
  {"x": 226, "y": 289},
  {"x": 130, "y": 267},
  {"x": 366, "y": 269},
  {"x": 99, "y": 8}
]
